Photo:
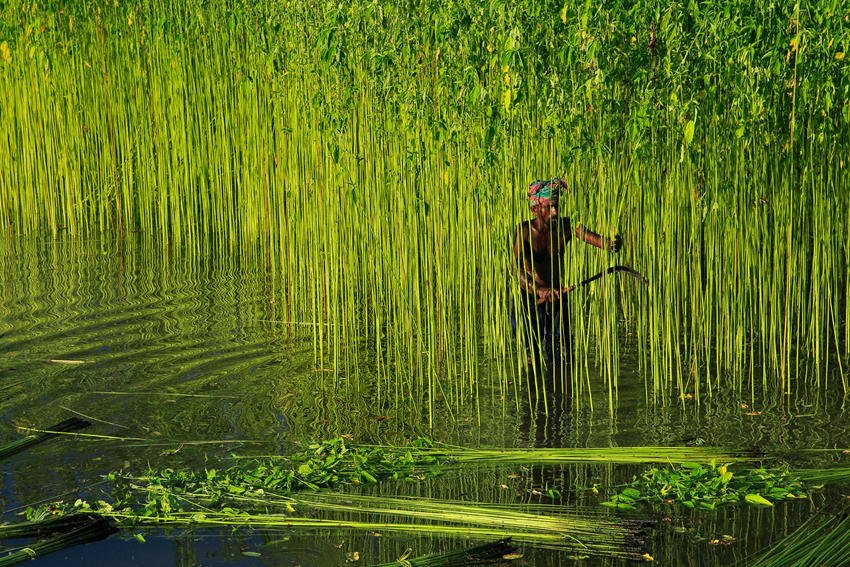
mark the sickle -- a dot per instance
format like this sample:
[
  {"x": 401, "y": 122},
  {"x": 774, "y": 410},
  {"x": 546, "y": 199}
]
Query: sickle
[{"x": 613, "y": 269}]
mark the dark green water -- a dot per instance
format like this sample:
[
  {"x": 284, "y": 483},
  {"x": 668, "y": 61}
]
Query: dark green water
[{"x": 186, "y": 356}]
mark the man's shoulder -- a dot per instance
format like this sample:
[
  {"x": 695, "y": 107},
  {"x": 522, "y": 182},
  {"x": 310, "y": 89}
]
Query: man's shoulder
[{"x": 523, "y": 227}]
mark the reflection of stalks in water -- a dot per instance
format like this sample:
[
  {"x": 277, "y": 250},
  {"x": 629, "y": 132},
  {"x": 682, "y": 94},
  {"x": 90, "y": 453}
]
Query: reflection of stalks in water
[
  {"x": 487, "y": 553},
  {"x": 548, "y": 424}
]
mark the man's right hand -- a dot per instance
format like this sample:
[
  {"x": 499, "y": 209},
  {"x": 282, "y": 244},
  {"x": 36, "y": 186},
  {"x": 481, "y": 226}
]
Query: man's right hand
[
  {"x": 546, "y": 294},
  {"x": 615, "y": 244}
]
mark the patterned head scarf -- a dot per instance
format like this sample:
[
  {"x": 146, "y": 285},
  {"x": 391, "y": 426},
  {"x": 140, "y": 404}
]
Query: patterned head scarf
[{"x": 546, "y": 192}]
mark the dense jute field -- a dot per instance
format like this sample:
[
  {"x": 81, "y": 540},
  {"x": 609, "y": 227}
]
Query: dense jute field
[{"x": 378, "y": 154}]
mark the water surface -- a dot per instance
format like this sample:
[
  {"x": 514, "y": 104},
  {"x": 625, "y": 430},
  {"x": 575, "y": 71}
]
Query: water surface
[{"x": 182, "y": 357}]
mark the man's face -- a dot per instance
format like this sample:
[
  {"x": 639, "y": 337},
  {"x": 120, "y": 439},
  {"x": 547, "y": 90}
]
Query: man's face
[{"x": 547, "y": 209}]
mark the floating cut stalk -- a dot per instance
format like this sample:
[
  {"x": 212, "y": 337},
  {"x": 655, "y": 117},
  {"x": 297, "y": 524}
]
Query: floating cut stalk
[{"x": 623, "y": 455}]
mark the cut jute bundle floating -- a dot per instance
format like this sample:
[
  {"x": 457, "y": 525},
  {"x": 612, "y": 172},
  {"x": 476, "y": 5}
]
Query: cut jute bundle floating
[
  {"x": 61, "y": 532},
  {"x": 57, "y": 533},
  {"x": 15, "y": 447}
]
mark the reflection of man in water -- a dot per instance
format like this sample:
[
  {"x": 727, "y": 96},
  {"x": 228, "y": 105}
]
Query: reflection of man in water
[{"x": 539, "y": 246}]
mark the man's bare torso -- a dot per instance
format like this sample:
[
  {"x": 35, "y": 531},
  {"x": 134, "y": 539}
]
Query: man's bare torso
[{"x": 541, "y": 252}]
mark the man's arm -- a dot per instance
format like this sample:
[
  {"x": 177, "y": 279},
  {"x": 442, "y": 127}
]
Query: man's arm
[{"x": 590, "y": 237}]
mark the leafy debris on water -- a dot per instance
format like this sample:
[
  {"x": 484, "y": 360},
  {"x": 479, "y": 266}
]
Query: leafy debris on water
[{"x": 693, "y": 485}]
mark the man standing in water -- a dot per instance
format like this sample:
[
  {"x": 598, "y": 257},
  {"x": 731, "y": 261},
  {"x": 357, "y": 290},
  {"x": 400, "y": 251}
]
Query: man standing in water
[{"x": 539, "y": 246}]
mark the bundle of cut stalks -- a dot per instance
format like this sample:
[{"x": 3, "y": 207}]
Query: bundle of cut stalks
[
  {"x": 15, "y": 447},
  {"x": 65, "y": 532}
]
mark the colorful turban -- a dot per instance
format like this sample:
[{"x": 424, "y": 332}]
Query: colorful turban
[{"x": 546, "y": 192}]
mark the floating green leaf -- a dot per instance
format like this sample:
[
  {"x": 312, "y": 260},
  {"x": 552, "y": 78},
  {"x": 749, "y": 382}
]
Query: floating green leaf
[{"x": 757, "y": 500}]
